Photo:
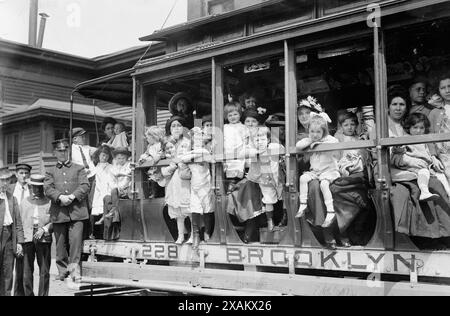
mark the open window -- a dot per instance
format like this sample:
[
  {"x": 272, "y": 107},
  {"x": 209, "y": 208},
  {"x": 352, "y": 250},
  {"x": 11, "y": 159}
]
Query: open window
[
  {"x": 186, "y": 97},
  {"x": 338, "y": 80},
  {"x": 254, "y": 89},
  {"x": 418, "y": 79}
]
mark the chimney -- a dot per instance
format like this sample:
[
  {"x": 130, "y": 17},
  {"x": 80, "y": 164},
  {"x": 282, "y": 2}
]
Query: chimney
[
  {"x": 32, "y": 32},
  {"x": 44, "y": 17}
]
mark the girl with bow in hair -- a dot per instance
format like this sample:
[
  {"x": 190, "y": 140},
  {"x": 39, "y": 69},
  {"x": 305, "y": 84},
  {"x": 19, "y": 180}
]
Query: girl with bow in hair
[{"x": 324, "y": 165}]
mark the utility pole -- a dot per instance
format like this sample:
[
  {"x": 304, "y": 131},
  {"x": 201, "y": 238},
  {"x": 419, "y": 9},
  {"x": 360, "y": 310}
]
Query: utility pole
[{"x": 32, "y": 31}]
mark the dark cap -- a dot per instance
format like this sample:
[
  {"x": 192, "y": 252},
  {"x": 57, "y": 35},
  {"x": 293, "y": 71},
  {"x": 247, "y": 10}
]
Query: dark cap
[
  {"x": 23, "y": 166},
  {"x": 61, "y": 144},
  {"x": 78, "y": 131},
  {"x": 37, "y": 180},
  {"x": 5, "y": 174}
]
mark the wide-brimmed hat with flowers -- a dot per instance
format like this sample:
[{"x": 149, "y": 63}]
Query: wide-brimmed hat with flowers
[{"x": 316, "y": 108}]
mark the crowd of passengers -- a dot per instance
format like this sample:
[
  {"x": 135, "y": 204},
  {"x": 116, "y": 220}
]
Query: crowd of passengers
[{"x": 335, "y": 194}]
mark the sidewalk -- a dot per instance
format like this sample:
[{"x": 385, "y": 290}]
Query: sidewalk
[{"x": 57, "y": 288}]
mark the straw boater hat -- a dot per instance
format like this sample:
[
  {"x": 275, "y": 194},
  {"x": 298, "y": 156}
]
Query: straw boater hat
[
  {"x": 5, "y": 174},
  {"x": 37, "y": 180},
  {"x": 173, "y": 102},
  {"x": 121, "y": 151}
]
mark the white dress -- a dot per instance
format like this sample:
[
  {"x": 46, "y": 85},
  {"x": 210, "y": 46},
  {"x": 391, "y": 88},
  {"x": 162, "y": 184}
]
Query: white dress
[
  {"x": 105, "y": 182},
  {"x": 201, "y": 189},
  {"x": 234, "y": 144},
  {"x": 324, "y": 165},
  {"x": 178, "y": 191},
  {"x": 119, "y": 141},
  {"x": 77, "y": 158}
]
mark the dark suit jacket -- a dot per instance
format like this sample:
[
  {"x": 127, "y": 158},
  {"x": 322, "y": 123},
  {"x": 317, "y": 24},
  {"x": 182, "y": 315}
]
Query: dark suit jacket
[
  {"x": 67, "y": 180},
  {"x": 17, "y": 229}
]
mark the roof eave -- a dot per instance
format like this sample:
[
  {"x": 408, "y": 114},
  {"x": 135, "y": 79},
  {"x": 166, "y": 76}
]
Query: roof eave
[{"x": 167, "y": 33}]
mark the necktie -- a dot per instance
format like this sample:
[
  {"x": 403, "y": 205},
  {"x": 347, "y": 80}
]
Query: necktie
[
  {"x": 22, "y": 195},
  {"x": 84, "y": 159}
]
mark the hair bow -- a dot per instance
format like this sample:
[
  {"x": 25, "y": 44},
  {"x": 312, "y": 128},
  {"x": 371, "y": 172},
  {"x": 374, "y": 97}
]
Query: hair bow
[
  {"x": 261, "y": 111},
  {"x": 322, "y": 115}
]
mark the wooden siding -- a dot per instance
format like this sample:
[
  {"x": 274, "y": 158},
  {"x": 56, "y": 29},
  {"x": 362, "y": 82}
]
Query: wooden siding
[
  {"x": 25, "y": 92},
  {"x": 163, "y": 117},
  {"x": 30, "y": 148}
]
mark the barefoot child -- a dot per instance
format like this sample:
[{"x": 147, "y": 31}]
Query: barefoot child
[{"x": 324, "y": 167}]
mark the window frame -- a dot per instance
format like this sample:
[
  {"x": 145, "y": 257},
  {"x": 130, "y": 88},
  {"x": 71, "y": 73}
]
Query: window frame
[
  {"x": 14, "y": 136},
  {"x": 213, "y": 3}
]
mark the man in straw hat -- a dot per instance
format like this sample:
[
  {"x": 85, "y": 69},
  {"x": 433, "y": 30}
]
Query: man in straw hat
[
  {"x": 38, "y": 229},
  {"x": 12, "y": 238},
  {"x": 67, "y": 186}
]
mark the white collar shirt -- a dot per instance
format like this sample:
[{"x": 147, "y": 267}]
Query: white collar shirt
[
  {"x": 18, "y": 193},
  {"x": 8, "y": 221},
  {"x": 77, "y": 158}
]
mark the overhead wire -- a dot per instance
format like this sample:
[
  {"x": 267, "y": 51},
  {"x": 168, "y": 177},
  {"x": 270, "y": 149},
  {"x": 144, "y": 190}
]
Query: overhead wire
[{"x": 162, "y": 27}]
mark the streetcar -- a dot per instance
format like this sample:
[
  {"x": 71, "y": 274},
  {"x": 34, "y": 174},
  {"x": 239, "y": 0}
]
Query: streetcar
[{"x": 344, "y": 53}]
